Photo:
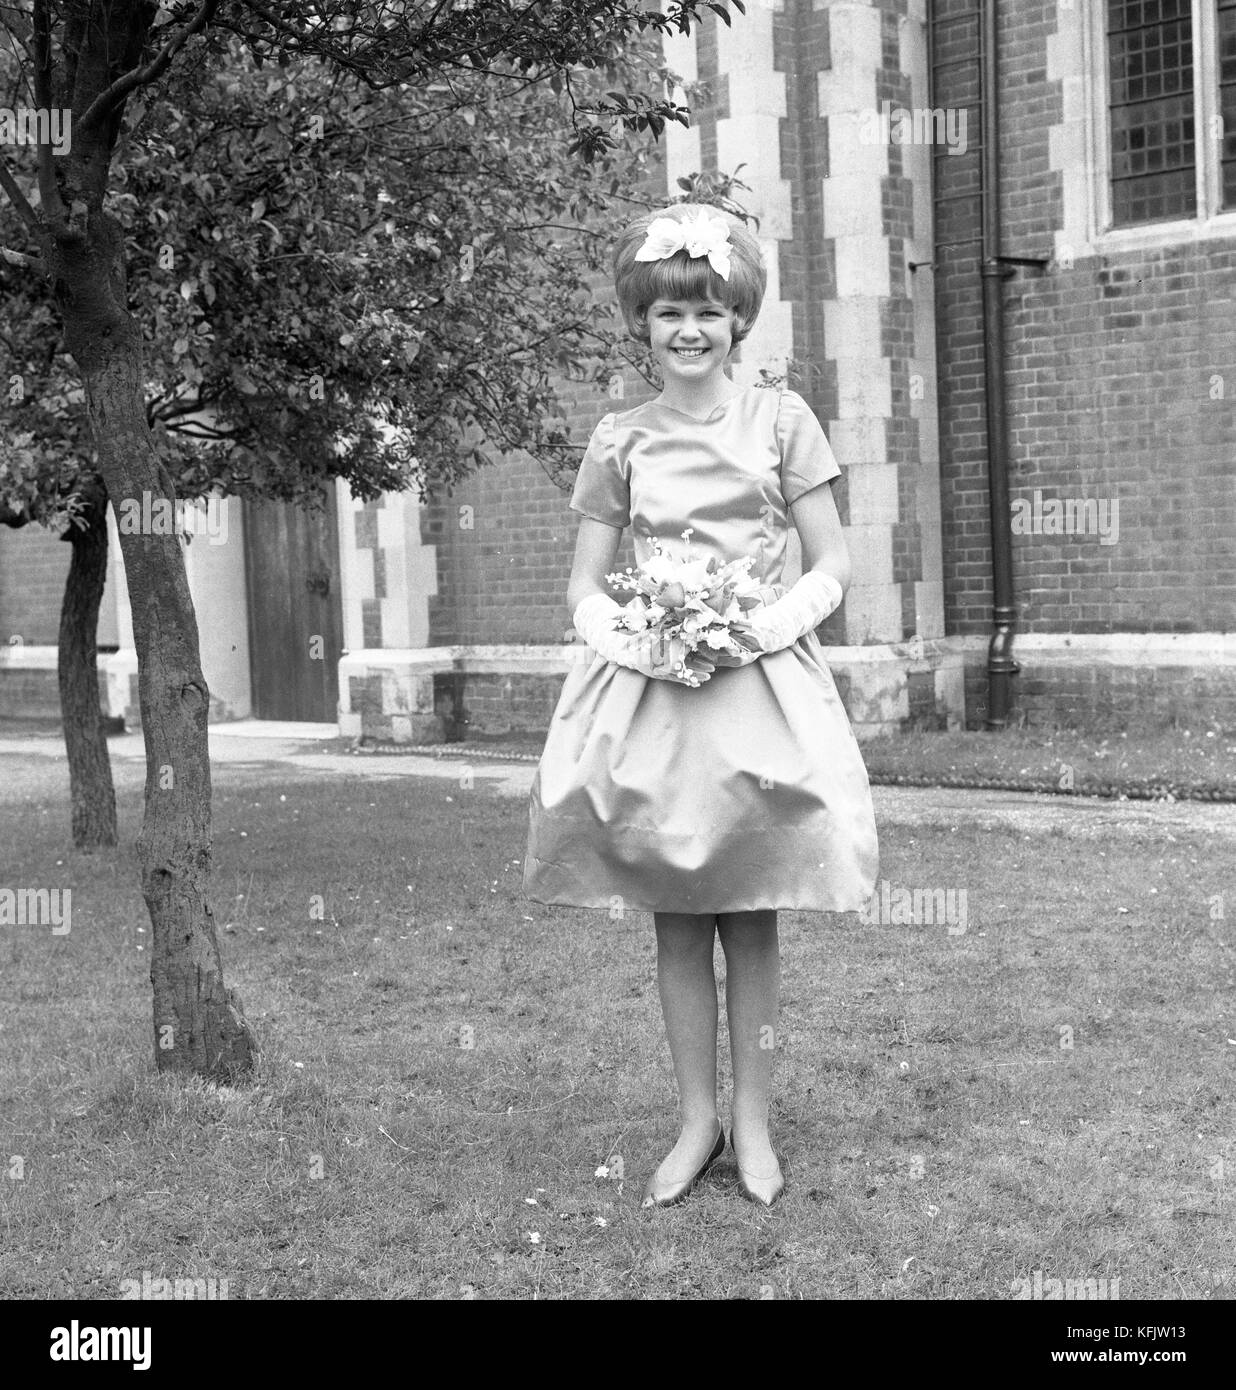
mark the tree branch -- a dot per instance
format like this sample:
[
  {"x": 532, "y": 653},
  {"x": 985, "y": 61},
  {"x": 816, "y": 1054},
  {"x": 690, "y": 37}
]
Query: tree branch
[
  {"x": 42, "y": 56},
  {"x": 195, "y": 429},
  {"x": 22, "y": 258},
  {"x": 49, "y": 193},
  {"x": 19, "y": 200},
  {"x": 150, "y": 72},
  {"x": 273, "y": 20}
]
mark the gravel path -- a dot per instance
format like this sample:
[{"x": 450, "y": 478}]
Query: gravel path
[{"x": 33, "y": 769}]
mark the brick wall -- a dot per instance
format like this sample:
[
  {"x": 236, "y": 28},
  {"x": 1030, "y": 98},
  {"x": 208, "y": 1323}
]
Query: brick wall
[
  {"x": 34, "y": 564},
  {"x": 505, "y": 539},
  {"x": 1110, "y": 365},
  {"x": 1109, "y": 699},
  {"x": 807, "y": 260},
  {"x": 495, "y": 704},
  {"x": 29, "y": 695}
]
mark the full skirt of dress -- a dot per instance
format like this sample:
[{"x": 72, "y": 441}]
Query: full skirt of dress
[{"x": 746, "y": 793}]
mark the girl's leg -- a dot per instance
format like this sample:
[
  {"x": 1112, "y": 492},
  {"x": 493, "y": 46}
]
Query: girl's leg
[
  {"x": 752, "y": 986},
  {"x": 688, "y": 987}
]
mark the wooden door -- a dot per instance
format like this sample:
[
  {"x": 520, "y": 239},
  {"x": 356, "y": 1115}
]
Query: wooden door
[{"x": 295, "y": 611}]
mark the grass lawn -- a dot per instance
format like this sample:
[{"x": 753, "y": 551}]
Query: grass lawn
[
  {"x": 445, "y": 1067},
  {"x": 1062, "y": 759}
]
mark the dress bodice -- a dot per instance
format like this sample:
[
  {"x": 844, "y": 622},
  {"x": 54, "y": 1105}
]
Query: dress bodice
[{"x": 730, "y": 477}]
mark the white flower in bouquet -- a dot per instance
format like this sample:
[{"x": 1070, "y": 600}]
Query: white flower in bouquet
[{"x": 658, "y": 568}]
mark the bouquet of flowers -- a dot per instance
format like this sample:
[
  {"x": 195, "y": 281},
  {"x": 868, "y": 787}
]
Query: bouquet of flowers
[{"x": 697, "y": 602}]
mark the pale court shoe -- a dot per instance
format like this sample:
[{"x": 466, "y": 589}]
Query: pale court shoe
[
  {"x": 763, "y": 1191},
  {"x": 680, "y": 1191}
]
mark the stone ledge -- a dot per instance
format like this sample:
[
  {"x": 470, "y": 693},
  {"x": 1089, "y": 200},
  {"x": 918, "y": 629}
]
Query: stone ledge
[
  {"x": 1115, "y": 648},
  {"x": 398, "y": 692},
  {"x": 504, "y": 659},
  {"x": 25, "y": 656},
  {"x": 1165, "y": 648}
]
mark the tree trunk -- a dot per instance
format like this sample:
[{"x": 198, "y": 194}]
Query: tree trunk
[
  {"x": 198, "y": 1023},
  {"x": 90, "y": 769}
]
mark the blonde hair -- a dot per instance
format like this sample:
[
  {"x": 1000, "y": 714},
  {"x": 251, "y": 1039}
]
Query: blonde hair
[{"x": 640, "y": 284}]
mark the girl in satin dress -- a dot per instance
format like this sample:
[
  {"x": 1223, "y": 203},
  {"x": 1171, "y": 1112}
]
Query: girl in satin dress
[{"x": 712, "y": 806}]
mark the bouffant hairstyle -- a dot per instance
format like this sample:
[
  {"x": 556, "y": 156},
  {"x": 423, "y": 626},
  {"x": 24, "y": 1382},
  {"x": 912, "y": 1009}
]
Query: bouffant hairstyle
[{"x": 641, "y": 283}]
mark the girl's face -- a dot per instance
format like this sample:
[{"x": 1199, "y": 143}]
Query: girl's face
[{"x": 690, "y": 338}]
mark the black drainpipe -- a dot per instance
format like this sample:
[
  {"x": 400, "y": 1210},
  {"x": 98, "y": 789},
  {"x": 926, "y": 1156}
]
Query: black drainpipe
[{"x": 1001, "y": 666}]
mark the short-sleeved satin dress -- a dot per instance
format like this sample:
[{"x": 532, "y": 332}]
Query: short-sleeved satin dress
[{"x": 748, "y": 792}]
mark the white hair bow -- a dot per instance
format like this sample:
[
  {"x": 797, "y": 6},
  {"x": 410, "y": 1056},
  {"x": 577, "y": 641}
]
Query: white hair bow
[{"x": 702, "y": 234}]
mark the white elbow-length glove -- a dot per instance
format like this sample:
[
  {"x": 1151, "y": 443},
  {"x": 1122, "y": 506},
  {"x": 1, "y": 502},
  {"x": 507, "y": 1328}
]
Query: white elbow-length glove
[
  {"x": 594, "y": 621},
  {"x": 796, "y": 613}
]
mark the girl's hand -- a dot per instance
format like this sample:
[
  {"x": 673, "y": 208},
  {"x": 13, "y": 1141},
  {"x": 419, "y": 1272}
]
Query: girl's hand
[
  {"x": 729, "y": 659},
  {"x": 795, "y": 614},
  {"x": 664, "y": 660}
]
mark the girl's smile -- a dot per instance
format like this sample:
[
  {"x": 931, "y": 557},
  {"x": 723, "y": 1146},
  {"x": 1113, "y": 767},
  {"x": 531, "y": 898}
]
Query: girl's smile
[{"x": 691, "y": 340}]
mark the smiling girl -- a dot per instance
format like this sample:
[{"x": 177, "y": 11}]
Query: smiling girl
[{"x": 712, "y": 806}]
